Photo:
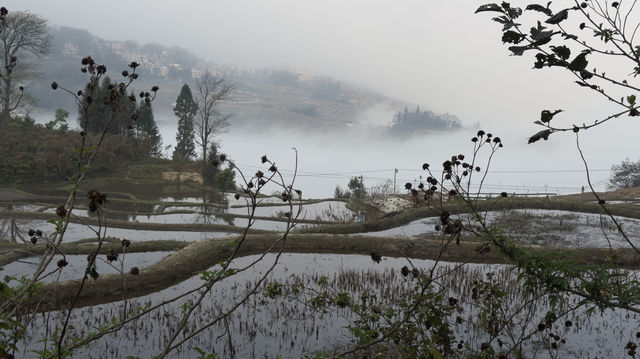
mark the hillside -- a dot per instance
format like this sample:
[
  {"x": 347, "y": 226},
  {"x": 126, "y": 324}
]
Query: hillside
[{"x": 263, "y": 97}]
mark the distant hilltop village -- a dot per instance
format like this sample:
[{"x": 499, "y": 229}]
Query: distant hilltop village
[
  {"x": 159, "y": 63},
  {"x": 156, "y": 60},
  {"x": 264, "y": 97}
]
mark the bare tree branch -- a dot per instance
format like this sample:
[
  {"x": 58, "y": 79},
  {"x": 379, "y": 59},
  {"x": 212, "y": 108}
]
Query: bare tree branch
[
  {"x": 210, "y": 92},
  {"x": 22, "y": 36}
]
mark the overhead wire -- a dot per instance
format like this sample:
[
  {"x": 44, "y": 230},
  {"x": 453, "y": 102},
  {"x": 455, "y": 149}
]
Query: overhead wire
[{"x": 339, "y": 175}]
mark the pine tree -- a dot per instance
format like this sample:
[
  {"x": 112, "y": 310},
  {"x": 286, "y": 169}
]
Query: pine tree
[
  {"x": 210, "y": 171},
  {"x": 147, "y": 129},
  {"x": 100, "y": 114},
  {"x": 97, "y": 110},
  {"x": 132, "y": 107},
  {"x": 121, "y": 123},
  {"x": 185, "y": 109}
]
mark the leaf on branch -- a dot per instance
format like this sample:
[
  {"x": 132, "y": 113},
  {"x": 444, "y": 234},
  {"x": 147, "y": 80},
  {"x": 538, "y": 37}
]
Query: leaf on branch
[
  {"x": 569, "y": 37},
  {"x": 558, "y": 18},
  {"x": 512, "y": 37},
  {"x": 539, "y": 8},
  {"x": 563, "y": 52},
  {"x": 634, "y": 112},
  {"x": 506, "y": 22},
  {"x": 548, "y": 60},
  {"x": 580, "y": 62},
  {"x": 513, "y": 12},
  {"x": 547, "y": 115},
  {"x": 587, "y": 75},
  {"x": 544, "y": 134},
  {"x": 538, "y": 34},
  {"x": 519, "y": 50},
  {"x": 541, "y": 42},
  {"x": 605, "y": 35},
  {"x": 631, "y": 99},
  {"x": 501, "y": 19},
  {"x": 489, "y": 7}
]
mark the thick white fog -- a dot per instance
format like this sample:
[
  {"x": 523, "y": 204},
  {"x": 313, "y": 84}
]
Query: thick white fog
[
  {"x": 327, "y": 160},
  {"x": 439, "y": 55}
]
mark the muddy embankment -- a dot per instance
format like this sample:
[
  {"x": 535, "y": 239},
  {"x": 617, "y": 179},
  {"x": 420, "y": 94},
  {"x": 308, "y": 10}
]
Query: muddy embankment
[
  {"x": 497, "y": 204},
  {"x": 202, "y": 255}
]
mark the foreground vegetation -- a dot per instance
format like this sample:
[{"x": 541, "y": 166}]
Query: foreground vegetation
[{"x": 32, "y": 153}]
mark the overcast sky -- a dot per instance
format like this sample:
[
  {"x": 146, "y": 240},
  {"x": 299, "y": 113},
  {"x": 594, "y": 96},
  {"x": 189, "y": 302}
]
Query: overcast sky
[{"x": 437, "y": 54}]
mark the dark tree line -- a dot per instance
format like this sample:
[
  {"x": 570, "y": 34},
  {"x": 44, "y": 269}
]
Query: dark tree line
[
  {"x": 31, "y": 152},
  {"x": 129, "y": 118},
  {"x": 405, "y": 122}
]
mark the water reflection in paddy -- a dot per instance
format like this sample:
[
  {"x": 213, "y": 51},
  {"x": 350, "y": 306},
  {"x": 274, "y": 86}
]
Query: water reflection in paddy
[
  {"x": 289, "y": 329},
  {"x": 76, "y": 231},
  {"x": 335, "y": 211},
  {"x": 539, "y": 227},
  {"x": 77, "y": 263}
]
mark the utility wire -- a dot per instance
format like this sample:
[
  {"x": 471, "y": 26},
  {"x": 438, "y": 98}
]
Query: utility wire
[
  {"x": 416, "y": 170},
  {"x": 349, "y": 174}
]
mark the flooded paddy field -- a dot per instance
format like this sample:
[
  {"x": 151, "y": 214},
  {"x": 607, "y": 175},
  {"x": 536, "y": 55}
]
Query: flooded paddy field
[
  {"x": 296, "y": 323},
  {"x": 335, "y": 211},
  {"x": 189, "y": 210},
  {"x": 77, "y": 231},
  {"x": 290, "y": 326},
  {"x": 77, "y": 264},
  {"x": 538, "y": 227},
  {"x": 527, "y": 226}
]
